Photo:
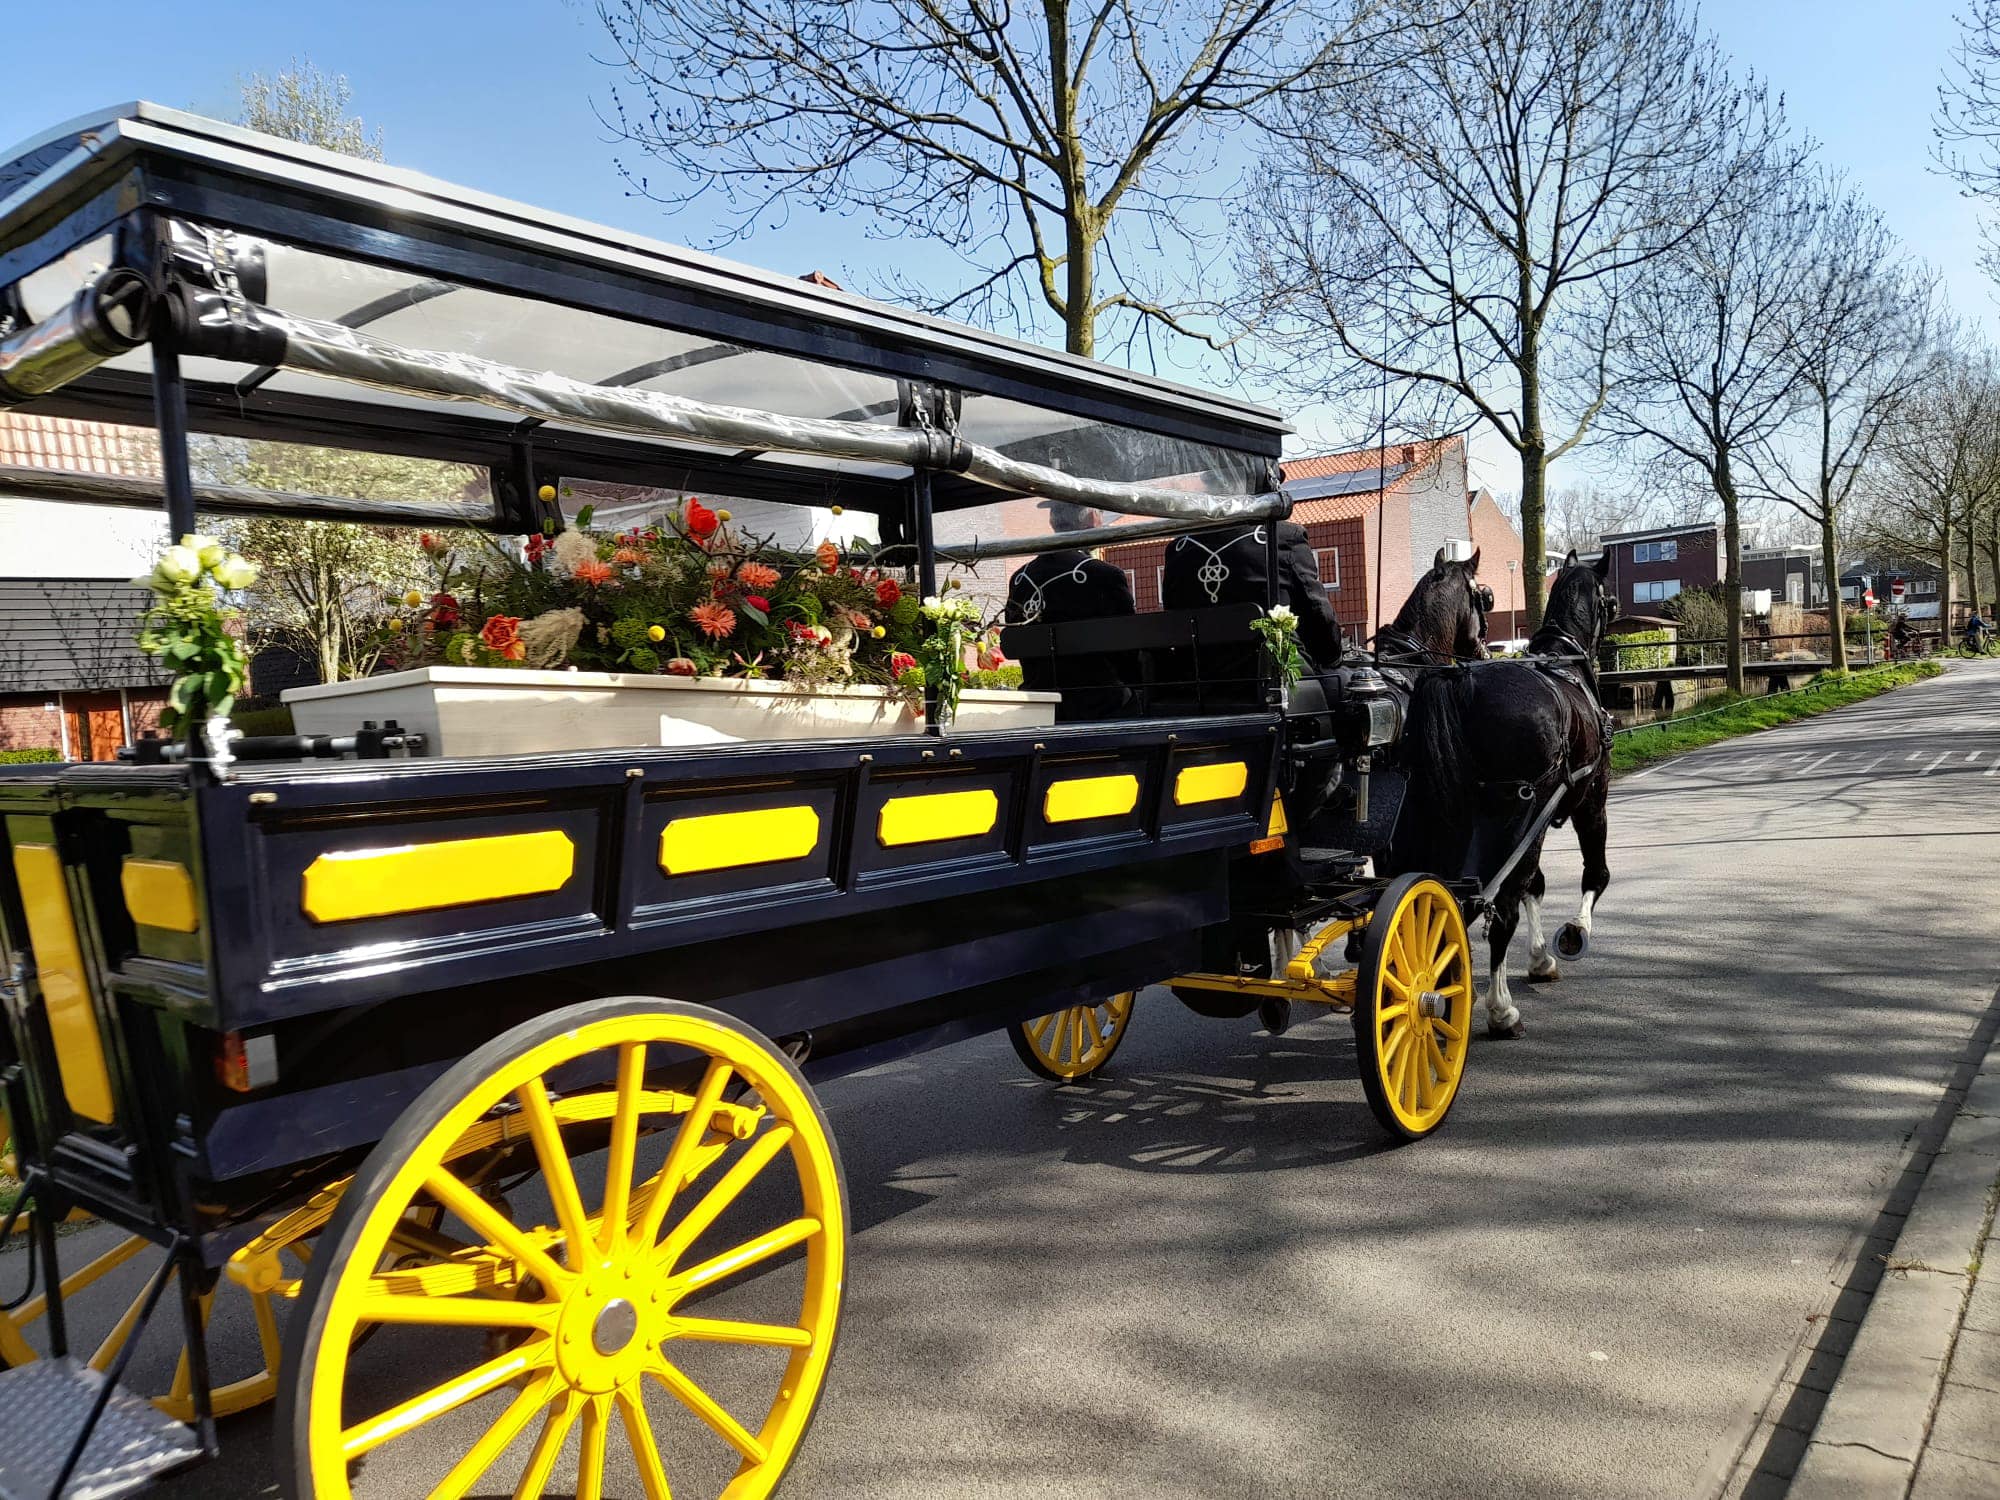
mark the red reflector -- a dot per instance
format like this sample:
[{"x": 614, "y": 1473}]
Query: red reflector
[
  {"x": 232, "y": 1065},
  {"x": 1266, "y": 846}
]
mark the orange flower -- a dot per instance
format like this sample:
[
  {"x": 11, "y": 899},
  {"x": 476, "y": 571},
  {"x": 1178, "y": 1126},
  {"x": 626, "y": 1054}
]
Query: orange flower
[
  {"x": 628, "y": 556},
  {"x": 757, "y": 577},
  {"x": 827, "y": 556},
  {"x": 713, "y": 619},
  {"x": 594, "y": 572},
  {"x": 718, "y": 572}
]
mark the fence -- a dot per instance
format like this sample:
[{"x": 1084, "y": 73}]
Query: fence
[{"x": 1643, "y": 651}]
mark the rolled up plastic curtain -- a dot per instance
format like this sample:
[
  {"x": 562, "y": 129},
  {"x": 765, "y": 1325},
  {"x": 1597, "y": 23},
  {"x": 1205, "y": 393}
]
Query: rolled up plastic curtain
[
  {"x": 361, "y": 358},
  {"x": 101, "y": 322}
]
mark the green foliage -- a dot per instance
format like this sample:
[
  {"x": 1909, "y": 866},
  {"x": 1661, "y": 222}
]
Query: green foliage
[
  {"x": 1279, "y": 631},
  {"x": 1701, "y": 616},
  {"x": 1745, "y": 715},
  {"x": 303, "y": 104},
  {"x": 37, "y": 756},
  {"x": 1640, "y": 650},
  {"x": 1006, "y": 676}
]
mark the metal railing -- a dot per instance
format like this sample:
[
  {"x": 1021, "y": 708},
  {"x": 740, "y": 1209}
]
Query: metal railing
[{"x": 1704, "y": 652}]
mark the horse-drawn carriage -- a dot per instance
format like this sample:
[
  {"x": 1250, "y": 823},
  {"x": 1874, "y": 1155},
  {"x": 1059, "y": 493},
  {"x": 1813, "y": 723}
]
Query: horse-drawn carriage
[{"x": 485, "y": 1078}]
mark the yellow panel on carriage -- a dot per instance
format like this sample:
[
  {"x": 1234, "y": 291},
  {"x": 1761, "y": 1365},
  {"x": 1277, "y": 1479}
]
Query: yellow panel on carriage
[
  {"x": 345, "y": 884},
  {"x": 160, "y": 893},
  {"x": 731, "y": 840},
  {"x": 937, "y": 815},
  {"x": 1215, "y": 781},
  {"x": 1083, "y": 797},
  {"x": 65, "y": 984}
]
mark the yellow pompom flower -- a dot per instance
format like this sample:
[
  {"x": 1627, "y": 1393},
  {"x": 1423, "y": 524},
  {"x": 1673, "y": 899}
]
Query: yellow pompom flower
[
  {"x": 546, "y": 493},
  {"x": 838, "y": 510},
  {"x": 395, "y": 627},
  {"x": 656, "y": 633},
  {"x": 879, "y": 632},
  {"x": 722, "y": 515},
  {"x": 414, "y": 598}
]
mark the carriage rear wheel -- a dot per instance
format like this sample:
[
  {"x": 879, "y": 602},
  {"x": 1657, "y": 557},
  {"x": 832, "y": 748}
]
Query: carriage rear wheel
[
  {"x": 1071, "y": 1044},
  {"x": 553, "y": 1319},
  {"x": 1413, "y": 1005}
]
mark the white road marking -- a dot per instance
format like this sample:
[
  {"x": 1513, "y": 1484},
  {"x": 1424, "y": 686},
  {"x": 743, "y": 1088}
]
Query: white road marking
[
  {"x": 1871, "y": 765},
  {"x": 1994, "y": 769},
  {"x": 1972, "y": 755},
  {"x": 1942, "y": 756},
  {"x": 1913, "y": 755},
  {"x": 1819, "y": 764}
]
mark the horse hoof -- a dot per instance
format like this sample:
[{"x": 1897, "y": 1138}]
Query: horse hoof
[
  {"x": 1276, "y": 1016},
  {"x": 1512, "y": 1032},
  {"x": 1572, "y": 940},
  {"x": 1545, "y": 976}
]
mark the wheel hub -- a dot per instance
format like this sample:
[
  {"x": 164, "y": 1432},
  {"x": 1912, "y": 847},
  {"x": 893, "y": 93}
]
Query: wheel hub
[
  {"x": 611, "y": 1321},
  {"x": 1432, "y": 1004}
]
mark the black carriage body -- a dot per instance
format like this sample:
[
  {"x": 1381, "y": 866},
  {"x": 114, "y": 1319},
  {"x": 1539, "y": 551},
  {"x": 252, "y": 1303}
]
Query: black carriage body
[{"x": 221, "y": 988}]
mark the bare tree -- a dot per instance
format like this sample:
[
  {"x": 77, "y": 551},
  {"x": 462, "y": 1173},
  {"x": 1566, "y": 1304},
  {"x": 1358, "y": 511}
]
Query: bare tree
[
  {"x": 1578, "y": 516},
  {"x": 1702, "y": 367},
  {"x": 1942, "y": 469},
  {"x": 1861, "y": 340},
  {"x": 1464, "y": 218},
  {"x": 1054, "y": 150},
  {"x": 1966, "y": 128}
]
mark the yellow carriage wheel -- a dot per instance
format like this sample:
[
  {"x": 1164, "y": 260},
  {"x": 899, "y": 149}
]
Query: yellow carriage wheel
[
  {"x": 1071, "y": 1044},
  {"x": 574, "y": 1309},
  {"x": 1413, "y": 1005}
]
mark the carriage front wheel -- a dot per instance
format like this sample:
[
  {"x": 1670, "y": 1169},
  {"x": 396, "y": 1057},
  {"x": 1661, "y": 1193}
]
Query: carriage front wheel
[
  {"x": 1413, "y": 1005},
  {"x": 1070, "y": 1045},
  {"x": 634, "y": 1284}
]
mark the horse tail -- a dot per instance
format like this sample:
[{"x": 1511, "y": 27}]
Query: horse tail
[{"x": 1441, "y": 769}]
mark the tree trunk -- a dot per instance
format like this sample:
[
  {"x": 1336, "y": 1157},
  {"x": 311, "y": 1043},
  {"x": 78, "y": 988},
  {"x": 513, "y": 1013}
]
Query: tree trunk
[
  {"x": 1836, "y": 616},
  {"x": 1079, "y": 317},
  {"x": 1534, "y": 502},
  {"x": 1732, "y": 572},
  {"x": 1972, "y": 564},
  {"x": 1946, "y": 594},
  {"x": 1993, "y": 557}
]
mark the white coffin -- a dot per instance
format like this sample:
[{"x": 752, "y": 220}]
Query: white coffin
[{"x": 500, "y": 711}]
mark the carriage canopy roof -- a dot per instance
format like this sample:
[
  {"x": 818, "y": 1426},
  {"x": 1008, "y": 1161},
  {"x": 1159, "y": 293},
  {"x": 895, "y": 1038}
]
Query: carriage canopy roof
[{"x": 375, "y": 258}]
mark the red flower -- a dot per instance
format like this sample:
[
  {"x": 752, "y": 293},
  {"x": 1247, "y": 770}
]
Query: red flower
[
  {"x": 429, "y": 543},
  {"x": 888, "y": 593},
  {"x": 444, "y": 611},
  {"x": 537, "y": 545},
  {"x": 502, "y": 634},
  {"x": 901, "y": 662},
  {"x": 758, "y": 601},
  {"x": 680, "y": 666},
  {"x": 701, "y": 521},
  {"x": 860, "y": 621},
  {"x": 594, "y": 572}
]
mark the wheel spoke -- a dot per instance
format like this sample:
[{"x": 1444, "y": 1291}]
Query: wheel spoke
[
  {"x": 698, "y": 1401},
  {"x": 1420, "y": 1073},
  {"x": 727, "y": 1331},
  {"x": 1438, "y": 1063},
  {"x": 556, "y": 1171},
  {"x": 687, "y": 1140},
  {"x": 1434, "y": 930},
  {"x": 438, "y": 1400},
  {"x": 1396, "y": 986},
  {"x": 1450, "y": 1031},
  {"x": 1387, "y": 1013},
  {"x": 493, "y": 1442},
  {"x": 725, "y": 1192},
  {"x": 749, "y": 1253},
  {"x": 645, "y": 1450},
  {"x": 455, "y": 1312},
  {"x": 496, "y": 1228},
  {"x": 1449, "y": 956},
  {"x": 618, "y": 1165},
  {"x": 548, "y": 1446},
  {"x": 1403, "y": 1079},
  {"x": 590, "y": 1457},
  {"x": 1039, "y": 1029}
]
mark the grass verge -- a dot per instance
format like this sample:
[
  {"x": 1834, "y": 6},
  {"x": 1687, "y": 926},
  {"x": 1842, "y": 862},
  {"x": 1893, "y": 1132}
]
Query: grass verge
[{"x": 1748, "y": 714}]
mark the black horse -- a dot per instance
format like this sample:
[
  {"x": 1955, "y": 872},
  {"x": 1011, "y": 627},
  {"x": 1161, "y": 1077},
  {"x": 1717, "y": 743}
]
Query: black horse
[
  {"x": 1443, "y": 620},
  {"x": 1489, "y": 745}
]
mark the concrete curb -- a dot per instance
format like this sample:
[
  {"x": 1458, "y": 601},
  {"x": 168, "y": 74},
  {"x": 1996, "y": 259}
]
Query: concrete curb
[{"x": 1882, "y": 1410}]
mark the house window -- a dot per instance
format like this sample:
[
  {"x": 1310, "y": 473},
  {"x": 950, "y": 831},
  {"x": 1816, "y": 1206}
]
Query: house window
[
  {"x": 1795, "y": 588},
  {"x": 1923, "y": 588},
  {"x": 1328, "y": 559},
  {"x": 1850, "y": 592},
  {"x": 1656, "y": 552},
  {"x": 1655, "y": 591}
]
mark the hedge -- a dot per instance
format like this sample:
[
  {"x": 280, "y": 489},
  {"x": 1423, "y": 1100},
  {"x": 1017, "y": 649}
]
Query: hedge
[
  {"x": 1639, "y": 650},
  {"x": 36, "y": 757}
]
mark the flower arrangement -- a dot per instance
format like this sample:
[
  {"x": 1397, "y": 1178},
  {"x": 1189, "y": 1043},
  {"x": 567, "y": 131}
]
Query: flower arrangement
[
  {"x": 1278, "y": 629},
  {"x": 687, "y": 595},
  {"x": 192, "y": 631}
]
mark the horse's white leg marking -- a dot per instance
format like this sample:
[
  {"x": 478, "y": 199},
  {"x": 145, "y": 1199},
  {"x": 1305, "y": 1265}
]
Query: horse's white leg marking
[
  {"x": 1540, "y": 960},
  {"x": 1499, "y": 1004},
  {"x": 1583, "y": 912}
]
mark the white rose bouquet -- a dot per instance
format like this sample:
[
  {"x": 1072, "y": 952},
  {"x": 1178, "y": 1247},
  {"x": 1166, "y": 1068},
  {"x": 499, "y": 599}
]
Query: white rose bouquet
[
  {"x": 1278, "y": 629},
  {"x": 190, "y": 628}
]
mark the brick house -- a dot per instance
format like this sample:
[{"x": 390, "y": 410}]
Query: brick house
[
  {"x": 71, "y": 678},
  {"x": 1499, "y": 547},
  {"x": 1398, "y": 504},
  {"x": 1648, "y": 568},
  {"x": 1794, "y": 575}
]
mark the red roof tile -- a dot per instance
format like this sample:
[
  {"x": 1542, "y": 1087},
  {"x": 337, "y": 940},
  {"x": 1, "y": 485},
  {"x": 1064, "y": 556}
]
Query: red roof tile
[
  {"x": 1409, "y": 459},
  {"x": 36, "y": 442}
]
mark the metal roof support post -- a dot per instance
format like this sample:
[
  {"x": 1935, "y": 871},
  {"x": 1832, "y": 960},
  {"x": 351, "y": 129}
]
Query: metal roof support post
[
  {"x": 171, "y": 415},
  {"x": 919, "y": 408}
]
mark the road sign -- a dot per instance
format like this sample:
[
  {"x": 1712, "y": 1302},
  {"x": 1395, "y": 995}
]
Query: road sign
[
  {"x": 1895, "y": 588},
  {"x": 1868, "y": 599}
]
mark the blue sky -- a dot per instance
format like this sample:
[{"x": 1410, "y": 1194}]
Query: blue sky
[{"x": 500, "y": 96}]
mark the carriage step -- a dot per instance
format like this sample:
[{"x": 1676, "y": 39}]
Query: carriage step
[{"x": 46, "y": 1404}]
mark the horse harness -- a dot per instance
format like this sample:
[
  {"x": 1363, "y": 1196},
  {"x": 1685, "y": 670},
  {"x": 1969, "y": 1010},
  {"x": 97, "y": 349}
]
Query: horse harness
[{"x": 1562, "y": 664}]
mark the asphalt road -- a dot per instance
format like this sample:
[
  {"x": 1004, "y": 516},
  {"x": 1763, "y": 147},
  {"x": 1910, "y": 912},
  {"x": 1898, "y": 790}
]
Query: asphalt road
[{"x": 1206, "y": 1275}]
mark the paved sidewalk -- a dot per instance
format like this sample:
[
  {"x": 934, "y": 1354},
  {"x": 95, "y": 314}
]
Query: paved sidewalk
[{"x": 1915, "y": 1409}]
